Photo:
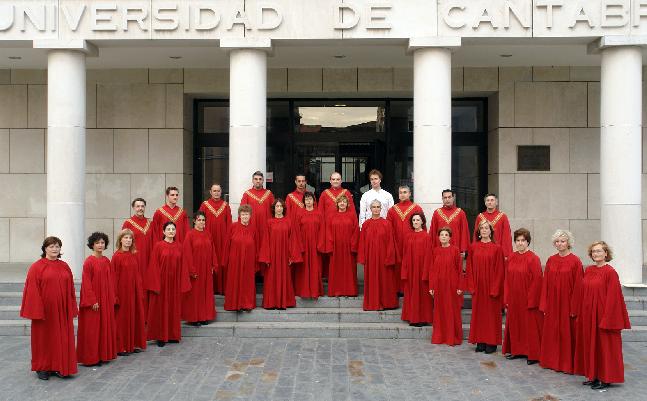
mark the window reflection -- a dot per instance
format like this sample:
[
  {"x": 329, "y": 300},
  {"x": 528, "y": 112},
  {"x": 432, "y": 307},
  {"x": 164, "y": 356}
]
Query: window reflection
[{"x": 340, "y": 118}]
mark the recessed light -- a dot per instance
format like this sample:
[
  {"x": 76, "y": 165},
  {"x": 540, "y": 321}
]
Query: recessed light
[
  {"x": 175, "y": 57},
  {"x": 505, "y": 55},
  {"x": 15, "y": 58},
  {"x": 339, "y": 56}
]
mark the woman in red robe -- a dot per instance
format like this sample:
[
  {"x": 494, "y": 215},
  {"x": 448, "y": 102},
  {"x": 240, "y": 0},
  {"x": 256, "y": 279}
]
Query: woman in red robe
[
  {"x": 167, "y": 280},
  {"x": 241, "y": 261},
  {"x": 562, "y": 274},
  {"x": 601, "y": 315},
  {"x": 199, "y": 258},
  {"x": 307, "y": 276},
  {"x": 485, "y": 273},
  {"x": 280, "y": 248},
  {"x": 445, "y": 282},
  {"x": 521, "y": 292},
  {"x": 49, "y": 301},
  {"x": 342, "y": 237},
  {"x": 129, "y": 314},
  {"x": 97, "y": 335},
  {"x": 417, "y": 307},
  {"x": 218, "y": 215},
  {"x": 377, "y": 253}
]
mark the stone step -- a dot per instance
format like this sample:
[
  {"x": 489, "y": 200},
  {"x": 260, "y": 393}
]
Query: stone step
[{"x": 635, "y": 290}]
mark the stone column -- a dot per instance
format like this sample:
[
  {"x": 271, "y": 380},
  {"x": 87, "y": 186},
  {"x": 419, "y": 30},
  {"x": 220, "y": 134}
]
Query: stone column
[
  {"x": 66, "y": 147},
  {"x": 432, "y": 119},
  {"x": 247, "y": 113},
  {"x": 621, "y": 158}
]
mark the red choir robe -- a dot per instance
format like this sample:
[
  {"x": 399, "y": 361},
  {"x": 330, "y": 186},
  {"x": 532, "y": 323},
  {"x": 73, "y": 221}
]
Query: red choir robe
[
  {"x": 129, "y": 314},
  {"x": 399, "y": 216},
  {"x": 294, "y": 204},
  {"x": 501, "y": 225},
  {"x": 261, "y": 202},
  {"x": 342, "y": 238},
  {"x": 48, "y": 299},
  {"x": 521, "y": 293},
  {"x": 561, "y": 276},
  {"x": 445, "y": 267},
  {"x": 176, "y": 215},
  {"x": 218, "y": 222},
  {"x": 377, "y": 253},
  {"x": 240, "y": 260},
  {"x": 97, "y": 334},
  {"x": 199, "y": 258},
  {"x": 485, "y": 274},
  {"x": 417, "y": 306},
  {"x": 141, "y": 227},
  {"x": 168, "y": 279},
  {"x": 601, "y": 315},
  {"x": 307, "y": 275},
  {"x": 327, "y": 205},
  {"x": 454, "y": 218},
  {"x": 280, "y": 247}
]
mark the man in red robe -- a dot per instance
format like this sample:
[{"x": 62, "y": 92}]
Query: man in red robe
[
  {"x": 399, "y": 216},
  {"x": 218, "y": 215},
  {"x": 499, "y": 222},
  {"x": 453, "y": 217},
  {"x": 140, "y": 226},
  {"x": 294, "y": 200},
  {"x": 173, "y": 213},
  {"x": 260, "y": 199},
  {"x": 328, "y": 207}
]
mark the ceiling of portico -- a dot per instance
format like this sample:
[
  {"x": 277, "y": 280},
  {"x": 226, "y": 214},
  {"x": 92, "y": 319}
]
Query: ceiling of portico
[{"x": 139, "y": 54}]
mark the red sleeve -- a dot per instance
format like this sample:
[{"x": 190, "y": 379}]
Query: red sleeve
[
  {"x": 245, "y": 199},
  {"x": 351, "y": 204},
  {"x": 534, "y": 292},
  {"x": 392, "y": 254},
  {"x": 578, "y": 275},
  {"x": 32, "y": 303},
  {"x": 465, "y": 237},
  {"x": 74, "y": 309},
  {"x": 461, "y": 283},
  {"x": 88, "y": 297},
  {"x": 224, "y": 259},
  {"x": 228, "y": 223},
  {"x": 114, "y": 272},
  {"x": 202, "y": 208},
  {"x": 185, "y": 281},
  {"x": 327, "y": 241},
  {"x": 499, "y": 269},
  {"x": 187, "y": 255},
  {"x": 506, "y": 286},
  {"x": 354, "y": 241},
  {"x": 433, "y": 230},
  {"x": 294, "y": 242},
  {"x": 404, "y": 268},
  {"x": 432, "y": 274},
  {"x": 264, "y": 252},
  {"x": 469, "y": 283},
  {"x": 153, "y": 272},
  {"x": 321, "y": 234},
  {"x": 506, "y": 237},
  {"x": 156, "y": 226},
  {"x": 615, "y": 315},
  {"x": 476, "y": 228},
  {"x": 361, "y": 257}
]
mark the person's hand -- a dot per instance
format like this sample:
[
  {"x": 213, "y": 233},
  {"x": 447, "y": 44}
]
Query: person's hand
[
  {"x": 194, "y": 275},
  {"x": 459, "y": 292},
  {"x": 463, "y": 255},
  {"x": 95, "y": 307},
  {"x": 431, "y": 292}
]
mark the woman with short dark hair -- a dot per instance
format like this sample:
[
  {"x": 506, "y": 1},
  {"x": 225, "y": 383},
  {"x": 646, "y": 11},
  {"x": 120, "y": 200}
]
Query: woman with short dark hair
[
  {"x": 49, "y": 301},
  {"x": 307, "y": 275},
  {"x": 97, "y": 335}
]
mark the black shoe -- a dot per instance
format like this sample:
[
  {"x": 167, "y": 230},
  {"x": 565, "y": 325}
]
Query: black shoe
[
  {"x": 600, "y": 386},
  {"x": 43, "y": 374},
  {"x": 489, "y": 349},
  {"x": 174, "y": 341},
  {"x": 160, "y": 343},
  {"x": 194, "y": 324},
  {"x": 590, "y": 382},
  {"x": 480, "y": 347},
  {"x": 137, "y": 351},
  {"x": 204, "y": 322},
  {"x": 123, "y": 353},
  {"x": 531, "y": 361},
  {"x": 512, "y": 357}
]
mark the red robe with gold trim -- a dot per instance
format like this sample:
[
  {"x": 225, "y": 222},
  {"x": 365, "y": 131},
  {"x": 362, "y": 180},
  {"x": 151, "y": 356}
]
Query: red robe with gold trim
[
  {"x": 454, "y": 218},
  {"x": 327, "y": 205},
  {"x": 399, "y": 216},
  {"x": 49, "y": 301},
  {"x": 141, "y": 227},
  {"x": 218, "y": 222},
  {"x": 501, "y": 224},
  {"x": 294, "y": 204},
  {"x": 177, "y": 215}
]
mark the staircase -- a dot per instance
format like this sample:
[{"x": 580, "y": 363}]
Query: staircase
[{"x": 323, "y": 318}]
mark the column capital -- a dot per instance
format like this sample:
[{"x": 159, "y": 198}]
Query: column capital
[
  {"x": 447, "y": 42},
  {"x": 264, "y": 44},
  {"x": 605, "y": 42},
  {"x": 80, "y": 45}
]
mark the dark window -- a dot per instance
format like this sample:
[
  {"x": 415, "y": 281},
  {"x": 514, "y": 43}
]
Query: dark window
[{"x": 533, "y": 158}]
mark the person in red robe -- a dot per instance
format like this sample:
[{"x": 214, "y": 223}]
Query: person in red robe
[
  {"x": 48, "y": 299},
  {"x": 173, "y": 213},
  {"x": 261, "y": 200},
  {"x": 129, "y": 289},
  {"x": 240, "y": 259},
  {"x": 417, "y": 307},
  {"x": 280, "y": 249},
  {"x": 328, "y": 206},
  {"x": 445, "y": 268},
  {"x": 167, "y": 280},
  {"x": 485, "y": 273},
  {"x": 563, "y": 272},
  {"x": 498, "y": 220},
  {"x": 601, "y": 314},
  {"x": 218, "y": 215},
  {"x": 307, "y": 275},
  {"x": 399, "y": 216},
  {"x": 141, "y": 228},
  {"x": 97, "y": 335},
  {"x": 199, "y": 259},
  {"x": 294, "y": 203},
  {"x": 453, "y": 217},
  {"x": 377, "y": 253},
  {"x": 521, "y": 292},
  {"x": 342, "y": 238}
]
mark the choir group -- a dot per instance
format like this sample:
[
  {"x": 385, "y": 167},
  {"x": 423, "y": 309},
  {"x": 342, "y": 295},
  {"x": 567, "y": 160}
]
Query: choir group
[{"x": 565, "y": 318}]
